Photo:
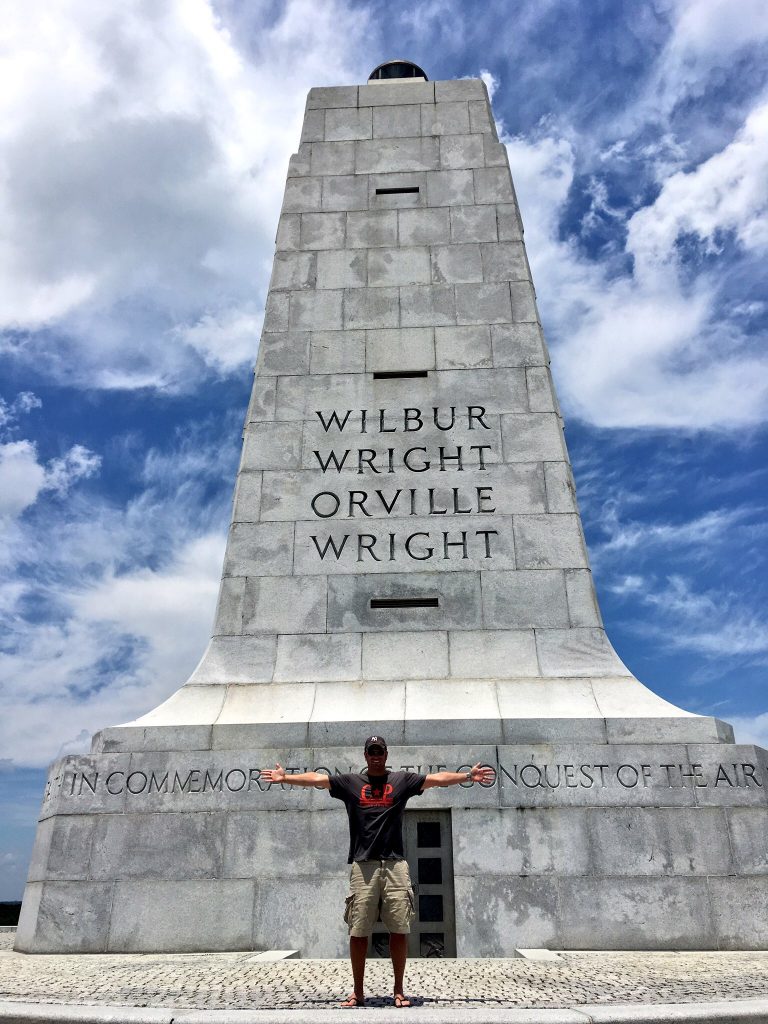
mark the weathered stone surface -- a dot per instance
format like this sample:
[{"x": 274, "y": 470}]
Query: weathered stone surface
[
  {"x": 348, "y": 123},
  {"x": 629, "y": 913},
  {"x": 302, "y": 195},
  {"x": 238, "y": 659},
  {"x": 341, "y": 268},
  {"x": 427, "y": 306},
  {"x": 394, "y": 93},
  {"x": 284, "y": 604},
  {"x": 449, "y": 118},
  {"x": 377, "y": 155},
  {"x": 322, "y": 230},
  {"x": 549, "y": 542},
  {"x": 450, "y": 188},
  {"x": 344, "y": 192},
  {"x": 271, "y": 446},
  {"x": 663, "y": 841},
  {"x": 528, "y": 437},
  {"x": 372, "y": 228},
  {"x": 740, "y": 910},
  {"x": 482, "y": 303},
  {"x": 349, "y": 601},
  {"x": 516, "y": 600},
  {"x": 748, "y": 831},
  {"x": 460, "y": 89},
  {"x": 337, "y": 352},
  {"x": 499, "y": 912},
  {"x": 65, "y": 917},
  {"x": 371, "y": 307},
  {"x": 62, "y": 849},
  {"x": 473, "y": 224},
  {"x": 259, "y": 549},
  {"x": 320, "y": 310},
  {"x": 182, "y": 916},
  {"x": 397, "y": 121},
  {"x": 319, "y": 657},
  {"x": 402, "y": 349},
  {"x": 492, "y": 654},
  {"x": 463, "y": 348},
  {"x": 458, "y": 151},
  {"x": 456, "y": 264},
  {"x": 403, "y": 265},
  {"x": 323, "y": 97},
  {"x": 424, "y": 227},
  {"x": 192, "y": 846},
  {"x": 519, "y": 344},
  {"x": 320, "y": 902},
  {"x": 271, "y": 844},
  {"x": 545, "y": 842},
  {"x": 480, "y": 119},
  {"x": 405, "y": 655}
]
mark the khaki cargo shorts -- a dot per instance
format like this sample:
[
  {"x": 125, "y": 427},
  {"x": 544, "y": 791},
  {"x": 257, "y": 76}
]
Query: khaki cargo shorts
[{"x": 379, "y": 885}]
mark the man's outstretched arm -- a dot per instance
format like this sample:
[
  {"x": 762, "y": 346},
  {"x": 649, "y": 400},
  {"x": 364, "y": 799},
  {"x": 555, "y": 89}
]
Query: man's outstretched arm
[
  {"x": 478, "y": 773},
  {"x": 278, "y": 774}
]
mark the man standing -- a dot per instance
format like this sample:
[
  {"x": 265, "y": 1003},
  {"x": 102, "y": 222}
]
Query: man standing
[{"x": 375, "y": 802}]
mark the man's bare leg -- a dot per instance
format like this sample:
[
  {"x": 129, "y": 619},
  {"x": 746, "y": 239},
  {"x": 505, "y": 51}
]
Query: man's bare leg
[
  {"x": 358, "y": 951},
  {"x": 398, "y": 949}
]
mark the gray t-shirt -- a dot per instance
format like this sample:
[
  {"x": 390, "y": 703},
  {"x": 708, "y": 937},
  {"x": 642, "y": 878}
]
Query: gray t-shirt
[{"x": 375, "y": 807}]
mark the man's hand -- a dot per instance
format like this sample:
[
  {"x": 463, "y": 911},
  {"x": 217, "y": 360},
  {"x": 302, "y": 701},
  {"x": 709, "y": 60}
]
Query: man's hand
[
  {"x": 482, "y": 773},
  {"x": 478, "y": 773},
  {"x": 276, "y": 774}
]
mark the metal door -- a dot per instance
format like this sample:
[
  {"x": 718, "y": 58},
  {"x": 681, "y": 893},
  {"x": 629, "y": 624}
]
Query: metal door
[{"x": 429, "y": 852}]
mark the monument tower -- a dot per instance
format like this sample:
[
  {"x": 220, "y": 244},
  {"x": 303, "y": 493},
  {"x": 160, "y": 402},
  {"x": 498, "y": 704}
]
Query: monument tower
[{"x": 405, "y": 557}]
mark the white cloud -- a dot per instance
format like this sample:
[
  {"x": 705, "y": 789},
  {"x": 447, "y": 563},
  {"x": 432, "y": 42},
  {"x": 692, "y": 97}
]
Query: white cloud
[
  {"x": 705, "y": 37},
  {"x": 727, "y": 193},
  {"x": 491, "y": 82},
  {"x": 226, "y": 340},
  {"x": 640, "y": 347},
  {"x": 23, "y": 478},
  {"x": 23, "y": 403},
  {"x": 713, "y": 623},
  {"x": 703, "y": 530},
  {"x": 751, "y": 728},
  {"x": 143, "y": 162},
  {"x": 115, "y": 603},
  {"x": 124, "y": 644},
  {"x": 78, "y": 464},
  {"x": 117, "y": 636},
  {"x": 627, "y": 585}
]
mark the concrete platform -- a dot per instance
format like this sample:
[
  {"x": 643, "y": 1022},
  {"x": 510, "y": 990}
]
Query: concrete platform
[
  {"x": 750, "y": 1010},
  {"x": 217, "y": 988}
]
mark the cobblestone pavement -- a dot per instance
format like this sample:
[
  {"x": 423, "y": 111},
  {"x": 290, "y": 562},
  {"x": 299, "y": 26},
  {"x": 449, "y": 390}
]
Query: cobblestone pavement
[{"x": 238, "y": 981}]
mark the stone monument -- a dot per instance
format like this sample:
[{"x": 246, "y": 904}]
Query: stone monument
[{"x": 406, "y": 557}]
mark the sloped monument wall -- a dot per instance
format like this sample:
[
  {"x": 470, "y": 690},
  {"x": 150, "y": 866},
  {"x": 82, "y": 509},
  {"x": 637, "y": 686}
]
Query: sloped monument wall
[{"x": 403, "y": 444}]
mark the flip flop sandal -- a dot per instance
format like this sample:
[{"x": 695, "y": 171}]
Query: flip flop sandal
[{"x": 352, "y": 1003}]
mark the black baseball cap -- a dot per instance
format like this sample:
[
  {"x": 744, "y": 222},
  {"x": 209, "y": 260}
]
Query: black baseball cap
[{"x": 374, "y": 741}]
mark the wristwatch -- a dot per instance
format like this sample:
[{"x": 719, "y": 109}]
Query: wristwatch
[{"x": 469, "y": 776}]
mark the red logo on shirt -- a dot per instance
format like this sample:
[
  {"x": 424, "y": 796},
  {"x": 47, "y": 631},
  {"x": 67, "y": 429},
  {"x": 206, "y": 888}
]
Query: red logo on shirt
[{"x": 376, "y": 797}]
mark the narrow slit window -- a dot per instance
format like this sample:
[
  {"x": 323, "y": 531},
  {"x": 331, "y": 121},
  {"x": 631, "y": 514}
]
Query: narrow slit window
[
  {"x": 405, "y": 602},
  {"x": 399, "y": 374},
  {"x": 408, "y": 190}
]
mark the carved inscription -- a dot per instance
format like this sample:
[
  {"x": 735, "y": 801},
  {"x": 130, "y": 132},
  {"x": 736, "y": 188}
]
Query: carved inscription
[
  {"x": 521, "y": 776},
  {"x": 373, "y": 499}
]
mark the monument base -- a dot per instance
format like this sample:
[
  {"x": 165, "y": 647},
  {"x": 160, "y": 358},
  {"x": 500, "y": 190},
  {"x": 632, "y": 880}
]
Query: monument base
[{"x": 578, "y": 845}]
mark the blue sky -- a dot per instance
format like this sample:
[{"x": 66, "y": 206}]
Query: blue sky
[{"x": 144, "y": 148}]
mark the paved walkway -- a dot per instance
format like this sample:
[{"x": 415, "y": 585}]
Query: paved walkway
[{"x": 238, "y": 981}]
